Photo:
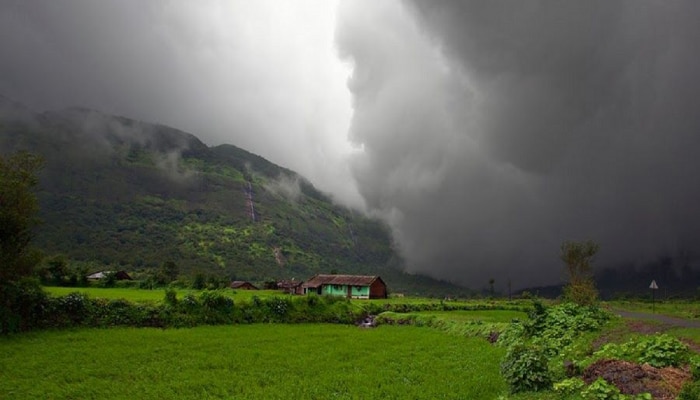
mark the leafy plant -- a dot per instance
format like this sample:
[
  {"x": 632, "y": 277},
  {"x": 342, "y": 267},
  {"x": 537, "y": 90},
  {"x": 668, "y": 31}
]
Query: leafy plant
[
  {"x": 663, "y": 351},
  {"x": 658, "y": 351},
  {"x": 525, "y": 369},
  {"x": 602, "y": 390},
  {"x": 569, "y": 386}
]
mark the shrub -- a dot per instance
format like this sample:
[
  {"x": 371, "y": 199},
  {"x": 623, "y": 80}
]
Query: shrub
[
  {"x": 217, "y": 308},
  {"x": 695, "y": 367},
  {"x": 514, "y": 333},
  {"x": 570, "y": 386},
  {"x": 170, "y": 297},
  {"x": 537, "y": 347},
  {"x": 602, "y": 390},
  {"x": 663, "y": 351},
  {"x": 658, "y": 351},
  {"x": 525, "y": 369},
  {"x": 75, "y": 307},
  {"x": 279, "y": 308},
  {"x": 22, "y": 305}
]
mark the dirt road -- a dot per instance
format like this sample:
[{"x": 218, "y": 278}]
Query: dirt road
[{"x": 664, "y": 319}]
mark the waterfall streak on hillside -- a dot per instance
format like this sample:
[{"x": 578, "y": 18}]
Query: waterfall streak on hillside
[{"x": 249, "y": 201}]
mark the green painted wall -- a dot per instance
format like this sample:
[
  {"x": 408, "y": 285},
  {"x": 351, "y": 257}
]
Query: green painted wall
[
  {"x": 335, "y": 290},
  {"x": 342, "y": 290},
  {"x": 360, "y": 291}
]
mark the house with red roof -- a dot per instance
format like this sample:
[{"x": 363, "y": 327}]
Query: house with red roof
[{"x": 350, "y": 286}]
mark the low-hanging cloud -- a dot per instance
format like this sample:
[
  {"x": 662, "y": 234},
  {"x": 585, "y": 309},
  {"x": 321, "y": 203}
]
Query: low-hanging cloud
[
  {"x": 493, "y": 131},
  {"x": 261, "y": 75}
]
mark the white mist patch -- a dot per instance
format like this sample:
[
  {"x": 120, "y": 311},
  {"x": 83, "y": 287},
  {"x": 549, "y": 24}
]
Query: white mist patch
[
  {"x": 171, "y": 164},
  {"x": 286, "y": 186}
]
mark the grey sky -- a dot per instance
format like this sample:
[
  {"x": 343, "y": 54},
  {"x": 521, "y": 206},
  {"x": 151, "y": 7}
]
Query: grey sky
[{"x": 485, "y": 132}]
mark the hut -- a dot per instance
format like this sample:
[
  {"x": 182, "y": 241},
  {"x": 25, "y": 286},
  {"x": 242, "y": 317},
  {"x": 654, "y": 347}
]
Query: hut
[
  {"x": 350, "y": 286},
  {"x": 243, "y": 285},
  {"x": 118, "y": 275},
  {"x": 290, "y": 286}
]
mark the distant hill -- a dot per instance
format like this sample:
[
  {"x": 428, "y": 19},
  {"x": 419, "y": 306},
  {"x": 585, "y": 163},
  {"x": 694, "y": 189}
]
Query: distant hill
[{"x": 116, "y": 192}]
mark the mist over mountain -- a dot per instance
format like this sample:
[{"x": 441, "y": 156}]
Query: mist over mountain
[{"x": 120, "y": 193}]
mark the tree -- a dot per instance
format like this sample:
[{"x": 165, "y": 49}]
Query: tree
[
  {"x": 199, "y": 281},
  {"x": 18, "y": 214},
  {"x": 57, "y": 268},
  {"x": 578, "y": 256},
  {"x": 19, "y": 297},
  {"x": 169, "y": 271}
]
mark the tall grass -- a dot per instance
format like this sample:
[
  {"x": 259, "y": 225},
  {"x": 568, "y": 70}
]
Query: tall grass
[{"x": 309, "y": 361}]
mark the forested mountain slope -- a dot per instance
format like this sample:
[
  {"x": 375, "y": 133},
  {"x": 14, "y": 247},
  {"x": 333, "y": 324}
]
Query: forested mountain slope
[{"x": 125, "y": 194}]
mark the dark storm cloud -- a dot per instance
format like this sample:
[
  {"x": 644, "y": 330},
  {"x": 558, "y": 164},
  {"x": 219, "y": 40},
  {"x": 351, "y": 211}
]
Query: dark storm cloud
[{"x": 495, "y": 130}]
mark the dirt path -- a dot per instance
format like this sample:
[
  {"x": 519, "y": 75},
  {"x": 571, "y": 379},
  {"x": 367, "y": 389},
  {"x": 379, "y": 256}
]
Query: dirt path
[{"x": 664, "y": 319}]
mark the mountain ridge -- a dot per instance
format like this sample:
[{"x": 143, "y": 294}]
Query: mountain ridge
[{"x": 129, "y": 194}]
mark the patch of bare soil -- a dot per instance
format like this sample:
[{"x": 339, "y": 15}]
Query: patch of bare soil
[
  {"x": 631, "y": 378},
  {"x": 646, "y": 328}
]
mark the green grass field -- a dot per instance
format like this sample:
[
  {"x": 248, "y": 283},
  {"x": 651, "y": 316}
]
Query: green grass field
[
  {"x": 477, "y": 315},
  {"x": 249, "y": 362}
]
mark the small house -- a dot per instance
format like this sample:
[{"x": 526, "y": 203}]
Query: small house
[
  {"x": 118, "y": 275},
  {"x": 290, "y": 287},
  {"x": 243, "y": 285},
  {"x": 350, "y": 286}
]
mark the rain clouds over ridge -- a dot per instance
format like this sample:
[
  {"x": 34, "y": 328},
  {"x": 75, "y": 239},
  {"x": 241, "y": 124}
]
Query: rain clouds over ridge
[
  {"x": 493, "y": 131},
  {"x": 485, "y": 132}
]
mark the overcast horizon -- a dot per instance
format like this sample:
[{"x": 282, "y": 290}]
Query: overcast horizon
[{"x": 484, "y": 133}]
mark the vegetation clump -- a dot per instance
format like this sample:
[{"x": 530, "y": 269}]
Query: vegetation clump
[
  {"x": 20, "y": 295},
  {"x": 577, "y": 256},
  {"x": 537, "y": 346}
]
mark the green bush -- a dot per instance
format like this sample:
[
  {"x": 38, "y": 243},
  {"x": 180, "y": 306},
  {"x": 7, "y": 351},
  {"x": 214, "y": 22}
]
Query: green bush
[
  {"x": 602, "y": 390},
  {"x": 525, "y": 368},
  {"x": 658, "y": 351},
  {"x": 569, "y": 387},
  {"x": 171, "y": 297},
  {"x": 694, "y": 361},
  {"x": 75, "y": 307},
  {"x": 663, "y": 351},
  {"x": 217, "y": 308},
  {"x": 23, "y": 305},
  {"x": 555, "y": 333}
]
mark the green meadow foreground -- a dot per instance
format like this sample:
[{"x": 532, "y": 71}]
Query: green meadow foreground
[
  {"x": 260, "y": 361},
  {"x": 269, "y": 345}
]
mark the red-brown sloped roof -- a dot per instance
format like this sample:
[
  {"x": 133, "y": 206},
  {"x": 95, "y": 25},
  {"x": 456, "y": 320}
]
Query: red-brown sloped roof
[
  {"x": 238, "y": 284},
  {"x": 353, "y": 280}
]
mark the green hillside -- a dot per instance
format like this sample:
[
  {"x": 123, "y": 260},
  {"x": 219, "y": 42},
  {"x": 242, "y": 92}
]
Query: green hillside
[{"x": 125, "y": 194}]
